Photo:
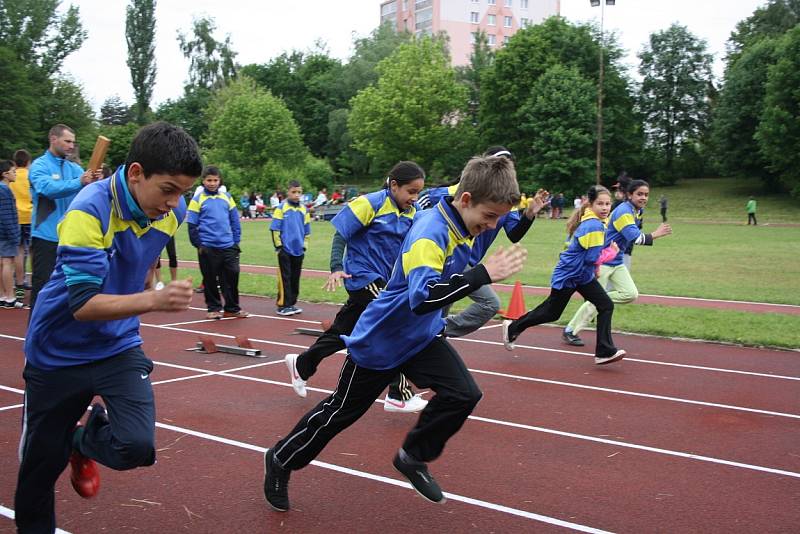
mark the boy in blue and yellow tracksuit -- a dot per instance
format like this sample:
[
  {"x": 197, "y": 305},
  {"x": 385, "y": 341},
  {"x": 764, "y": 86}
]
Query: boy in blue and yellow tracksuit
[
  {"x": 83, "y": 338},
  {"x": 400, "y": 331},
  {"x": 215, "y": 231},
  {"x": 290, "y": 228},
  {"x": 576, "y": 271}
]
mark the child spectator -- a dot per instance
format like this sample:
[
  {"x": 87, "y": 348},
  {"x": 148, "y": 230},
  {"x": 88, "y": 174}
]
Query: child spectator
[
  {"x": 9, "y": 235},
  {"x": 83, "y": 338},
  {"x": 214, "y": 229},
  {"x": 275, "y": 200},
  {"x": 244, "y": 204},
  {"x": 664, "y": 204},
  {"x": 261, "y": 208},
  {"x": 751, "y": 211},
  {"x": 21, "y": 188},
  {"x": 291, "y": 226}
]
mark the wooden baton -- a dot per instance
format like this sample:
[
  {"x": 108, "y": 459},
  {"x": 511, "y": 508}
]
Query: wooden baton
[{"x": 99, "y": 153}]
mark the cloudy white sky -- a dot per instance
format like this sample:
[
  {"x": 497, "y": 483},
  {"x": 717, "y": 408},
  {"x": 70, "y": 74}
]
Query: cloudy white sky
[{"x": 263, "y": 29}]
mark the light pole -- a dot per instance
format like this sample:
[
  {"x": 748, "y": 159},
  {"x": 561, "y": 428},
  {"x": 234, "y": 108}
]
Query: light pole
[{"x": 599, "y": 156}]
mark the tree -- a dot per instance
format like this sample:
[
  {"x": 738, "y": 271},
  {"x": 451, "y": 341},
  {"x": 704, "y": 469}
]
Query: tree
[
  {"x": 738, "y": 112},
  {"x": 66, "y": 103},
  {"x": 18, "y": 106},
  {"x": 481, "y": 58},
  {"x": 188, "y": 111},
  {"x": 778, "y": 133},
  {"x": 121, "y": 136},
  {"x": 559, "y": 126},
  {"x": 415, "y": 111},
  {"x": 676, "y": 71},
  {"x": 38, "y": 35},
  {"x": 140, "y": 33},
  {"x": 114, "y": 112},
  {"x": 771, "y": 20},
  {"x": 211, "y": 63},
  {"x": 254, "y": 138}
]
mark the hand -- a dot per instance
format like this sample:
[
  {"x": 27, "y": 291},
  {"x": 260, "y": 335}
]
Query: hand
[
  {"x": 535, "y": 204},
  {"x": 89, "y": 177},
  {"x": 176, "y": 296},
  {"x": 662, "y": 230},
  {"x": 504, "y": 263},
  {"x": 614, "y": 247},
  {"x": 201, "y": 250},
  {"x": 335, "y": 280}
]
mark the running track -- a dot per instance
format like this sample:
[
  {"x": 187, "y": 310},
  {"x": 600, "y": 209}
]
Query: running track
[{"x": 679, "y": 437}]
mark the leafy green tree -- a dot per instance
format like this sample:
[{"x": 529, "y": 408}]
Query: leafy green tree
[
  {"x": 115, "y": 112},
  {"x": 676, "y": 71},
  {"x": 738, "y": 112},
  {"x": 211, "y": 63},
  {"x": 140, "y": 34},
  {"x": 415, "y": 111},
  {"x": 121, "y": 136},
  {"x": 18, "y": 106},
  {"x": 66, "y": 103},
  {"x": 38, "y": 35},
  {"x": 778, "y": 133},
  {"x": 559, "y": 126},
  {"x": 481, "y": 58},
  {"x": 254, "y": 139},
  {"x": 768, "y": 21},
  {"x": 188, "y": 111}
]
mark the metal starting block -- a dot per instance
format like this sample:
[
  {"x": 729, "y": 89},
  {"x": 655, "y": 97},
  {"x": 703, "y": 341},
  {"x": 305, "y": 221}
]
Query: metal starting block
[
  {"x": 316, "y": 332},
  {"x": 243, "y": 347}
]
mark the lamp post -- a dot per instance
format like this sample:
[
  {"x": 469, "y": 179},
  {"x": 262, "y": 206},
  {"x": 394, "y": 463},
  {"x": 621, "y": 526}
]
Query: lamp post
[{"x": 599, "y": 156}]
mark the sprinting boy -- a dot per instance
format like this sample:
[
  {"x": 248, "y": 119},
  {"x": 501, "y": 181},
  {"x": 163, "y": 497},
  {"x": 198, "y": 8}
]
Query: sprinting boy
[
  {"x": 290, "y": 228},
  {"x": 9, "y": 235},
  {"x": 400, "y": 331},
  {"x": 83, "y": 338},
  {"x": 215, "y": 231}
]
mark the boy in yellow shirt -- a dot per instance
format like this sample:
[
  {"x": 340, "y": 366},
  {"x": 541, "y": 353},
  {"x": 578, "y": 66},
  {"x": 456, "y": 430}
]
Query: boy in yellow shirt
[{"x": 22, "y": 192}]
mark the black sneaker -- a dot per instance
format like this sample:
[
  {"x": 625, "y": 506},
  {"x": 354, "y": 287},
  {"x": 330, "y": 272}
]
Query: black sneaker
[
  {"x": 276, "y": 483},
  {"x": 571, "y": 339},
  {"x": 417, "y": 473}
]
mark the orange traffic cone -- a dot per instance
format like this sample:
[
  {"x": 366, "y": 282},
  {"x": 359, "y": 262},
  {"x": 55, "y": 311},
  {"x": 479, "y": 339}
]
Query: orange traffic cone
[{"x": 516, "y": 308}]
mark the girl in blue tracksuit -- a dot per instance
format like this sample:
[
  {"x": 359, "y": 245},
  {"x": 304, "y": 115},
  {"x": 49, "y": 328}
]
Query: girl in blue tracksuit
[{"x": 576, "y": 271}]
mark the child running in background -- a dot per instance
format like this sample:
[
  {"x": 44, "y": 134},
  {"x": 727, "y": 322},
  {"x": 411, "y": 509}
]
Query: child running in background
[
  {"x": 9, "y": 235},
  {"x": 372, "y": 228},
  {"x": 400, "y": 331},
  {"x": 214, "y": 229},
  {"x": 624, "y": 230},
  {"x": 576, "y": 271},
  {"x": 83, "y": 339},
  {"x": 290, "y": 228}
]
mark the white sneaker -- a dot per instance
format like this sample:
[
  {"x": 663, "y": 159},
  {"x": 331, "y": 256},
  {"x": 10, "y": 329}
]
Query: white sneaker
[
  {"x": 298, "y": 383},
  {"x": 507, "y": 343},
  {"x": 414, "y": 404},
  {"x": 609, "y": 359}
]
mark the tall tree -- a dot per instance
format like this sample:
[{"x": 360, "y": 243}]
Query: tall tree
[
  {"x": 188, "y": 111},
  {"x": 415, "y": 111},
  {"x": 676, "y": 71},
  {"x": 114, "y": 112},
  {"x": 18, "y": 106},
  {"x": 211, "y": 63},
  {"x": 140, "y": 34},
  {"x": 778, "y": 132},
  {"x": 38, "y": 35},
  {"x": 481, "y": 58},
  {"x": 768, "y": 21}
]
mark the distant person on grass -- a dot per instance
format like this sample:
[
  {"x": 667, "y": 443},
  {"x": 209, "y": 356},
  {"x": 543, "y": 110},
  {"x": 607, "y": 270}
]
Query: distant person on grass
[
  {"x": 663, "y": 202},
  {"x": 401, "y": 331},
  {"x": 215, "y": 230},
  {"x": 371, "y": 229},
  {"x": 290, "y": 228},
  {"x": 751, "y": 207},
  {"x": 83, "y": 338},
  {"x": 624, "y": 230},
  {"x": 576, "y": 270}
]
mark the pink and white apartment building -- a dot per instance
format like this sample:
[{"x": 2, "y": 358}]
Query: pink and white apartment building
[{"x": 462, "y": 19}]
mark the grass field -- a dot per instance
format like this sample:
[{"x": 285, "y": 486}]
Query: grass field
[{"x": 701, "y": 259}]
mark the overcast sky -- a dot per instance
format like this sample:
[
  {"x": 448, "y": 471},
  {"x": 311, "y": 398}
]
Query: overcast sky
[{"x": 262, "y": 30}]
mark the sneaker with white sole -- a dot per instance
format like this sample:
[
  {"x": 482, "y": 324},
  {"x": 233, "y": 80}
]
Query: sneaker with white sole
[
  {"x": 507, "y": 342},
  {"x": 610, "y": 359},
  {"x": 414, "y": 404},
  {"x": 285, "y": 311},
  {"x": 298, "y": 384},
  {"x": 295, "y": 310}
]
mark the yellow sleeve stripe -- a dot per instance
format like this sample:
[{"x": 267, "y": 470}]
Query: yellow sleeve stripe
[
  {"x": 79, "y": 229},
  {"x": 277, "y": 214},
  {"x": 362, "y": 209},
  {"x": 623, "y": 221},
  {"x": 307, "y": 218},
  {"x": 231, "y": 203},
  {"x": 194, "y": 206},
  {"x": 592, "y": 239},
  {"x": 387, "y": 207},
  {"x": 423, "y": 253}
]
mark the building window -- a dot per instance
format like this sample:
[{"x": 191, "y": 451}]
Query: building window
[
  {"x": 509, "y": 3},
  {"x": 523, "y": 4},
  {"x": 473, "y": 17},
  {"x": 388, "y": 8},
  {"x": 473, "y": 37},
  {"x": 492, "y": 39},
  {"x": 476, "y": 1},
  {"x": 507, "y": 22},
  {"x": 405, "y": 5},
  {"x": 506, "y": 38},
  {"x": 492, "y": 2},
  {"x": 524, "y": 23},
  {"x": 492, "y": 20}
]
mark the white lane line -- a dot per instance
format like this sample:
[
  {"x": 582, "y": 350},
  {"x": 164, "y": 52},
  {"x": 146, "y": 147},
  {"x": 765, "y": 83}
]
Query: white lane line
[
  {"x": 268, "y": 317},
  {"x": 9, "y": 513},
  {"x": 385, "y": 480},
  {"x": 12, "y": 390},
  {"x": 12, "y": 407},
  {"x": 227, "y": 336},
  {"x": 487, "y": 327},
  {"x": 628, "y": 359}
]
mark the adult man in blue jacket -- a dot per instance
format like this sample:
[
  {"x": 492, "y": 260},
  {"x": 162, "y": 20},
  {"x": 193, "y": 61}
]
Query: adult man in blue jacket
[{"x": 54, "y": 183}]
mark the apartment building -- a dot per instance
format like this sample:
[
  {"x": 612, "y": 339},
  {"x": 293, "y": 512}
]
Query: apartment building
[{"x": 462, "y": 19}]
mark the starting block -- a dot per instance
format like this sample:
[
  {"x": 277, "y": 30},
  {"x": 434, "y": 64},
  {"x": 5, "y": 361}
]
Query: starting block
[
  {"x": 316, "y": 332},
  {"x": 243, "y": 347}
]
